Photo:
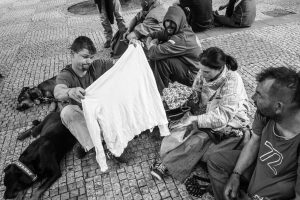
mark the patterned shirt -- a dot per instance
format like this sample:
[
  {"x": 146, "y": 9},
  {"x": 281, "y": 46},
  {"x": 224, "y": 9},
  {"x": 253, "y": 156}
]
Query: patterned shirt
[{"x": 225, "y": 99}]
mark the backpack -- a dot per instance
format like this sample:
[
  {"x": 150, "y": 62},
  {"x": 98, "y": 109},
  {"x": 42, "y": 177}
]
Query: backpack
[{"x": 118, "y": 44}]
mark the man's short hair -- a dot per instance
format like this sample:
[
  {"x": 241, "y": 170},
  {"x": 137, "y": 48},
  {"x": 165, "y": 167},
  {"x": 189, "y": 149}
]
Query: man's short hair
[
  {"x": 284, "y": 78},
  {"x": 83, "y": 42}
]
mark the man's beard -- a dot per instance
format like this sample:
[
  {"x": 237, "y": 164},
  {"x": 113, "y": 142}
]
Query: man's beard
[{"x": 270, "y": 115}]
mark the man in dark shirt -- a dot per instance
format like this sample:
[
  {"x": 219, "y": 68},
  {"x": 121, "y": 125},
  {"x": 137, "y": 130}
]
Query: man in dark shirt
[
  {"x": 268, "y": 167},
  {"x": 71, "y": 84}
]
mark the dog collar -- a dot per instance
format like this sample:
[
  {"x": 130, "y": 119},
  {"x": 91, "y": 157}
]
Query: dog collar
[{"x": 25, "y": 169}]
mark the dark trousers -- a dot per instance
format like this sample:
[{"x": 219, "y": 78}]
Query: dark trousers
[
  {"x": 227, "y": 19},
  {"x": 171, "y": 70},
  {"x": 220, "y": 166},
  {"x": 242, "y": 18},
  {"x": 201, "y": 14}
]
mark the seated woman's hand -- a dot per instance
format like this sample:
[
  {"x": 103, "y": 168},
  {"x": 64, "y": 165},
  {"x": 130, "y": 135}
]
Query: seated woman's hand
[{"x": 185, "y": 121}]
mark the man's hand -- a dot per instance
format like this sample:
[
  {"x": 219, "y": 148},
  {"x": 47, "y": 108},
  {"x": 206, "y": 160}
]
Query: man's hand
[
  {"x": 148, "y": 42},
  {"x": 154, "y": 42},
  {"x": 77, "y": 94},
  {"x": 232, "y": 187}
]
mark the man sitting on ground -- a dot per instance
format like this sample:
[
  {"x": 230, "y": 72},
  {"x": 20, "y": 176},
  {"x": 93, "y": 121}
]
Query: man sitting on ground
[
  {"x": 268, "y": 167},
  {"x": 147, "y": 21},
  {"x": 174, "y": 51},
  {"x": 71, "y": 84},
  {"x": 239, "y": 14}
]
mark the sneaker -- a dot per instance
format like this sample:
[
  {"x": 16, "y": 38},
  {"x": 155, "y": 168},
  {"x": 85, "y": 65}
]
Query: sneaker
[
  {"x": 107, "y": 44},
  {"x": 158, "y": 170},
  {"x": 79, "y": 151}
]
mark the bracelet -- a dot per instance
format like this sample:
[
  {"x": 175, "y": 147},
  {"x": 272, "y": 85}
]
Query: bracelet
[{"x": 235, "y": 172}]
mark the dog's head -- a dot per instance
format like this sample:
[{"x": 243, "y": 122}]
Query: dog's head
[
  {"x": 35, "y": 93},
  {"x": 15, "y": 181},
  {"x": 28, "y": 97}
]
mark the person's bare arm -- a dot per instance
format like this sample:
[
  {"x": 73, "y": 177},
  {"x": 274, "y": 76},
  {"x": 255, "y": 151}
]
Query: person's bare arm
[
  {"x": 246, "y": 158},
  {"x": 62, "y": 92}
]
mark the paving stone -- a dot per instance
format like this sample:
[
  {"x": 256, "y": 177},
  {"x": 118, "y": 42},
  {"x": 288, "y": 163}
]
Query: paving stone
[
  {"x": 156, "y": 196},
  {"x": 164, "y": 194},
  {"x": 35, "y": 36},
  {"x": 128, "y": 196}
]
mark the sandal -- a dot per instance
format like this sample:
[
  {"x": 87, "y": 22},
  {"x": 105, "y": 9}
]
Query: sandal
[{"x": 194, "y": 188}]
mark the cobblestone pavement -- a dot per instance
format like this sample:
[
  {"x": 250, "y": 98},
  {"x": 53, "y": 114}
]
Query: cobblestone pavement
[{"x": 34, "y": 39}]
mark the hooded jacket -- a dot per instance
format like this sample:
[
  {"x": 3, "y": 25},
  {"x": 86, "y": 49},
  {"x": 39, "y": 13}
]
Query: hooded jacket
[
  {"x": 151, "y": 20},
  {"x": 183, "y": 45}
]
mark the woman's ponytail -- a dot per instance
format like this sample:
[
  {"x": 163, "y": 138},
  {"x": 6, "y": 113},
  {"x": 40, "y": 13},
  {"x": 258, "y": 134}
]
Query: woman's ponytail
[{"x": 231, "y": 63}]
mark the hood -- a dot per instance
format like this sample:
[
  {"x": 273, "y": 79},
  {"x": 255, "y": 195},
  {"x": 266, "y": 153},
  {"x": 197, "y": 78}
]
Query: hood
[{"x": 177, "y": 15}]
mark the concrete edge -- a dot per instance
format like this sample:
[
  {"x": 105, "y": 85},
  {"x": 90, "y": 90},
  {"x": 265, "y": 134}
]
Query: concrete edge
[{"x": 256, "y": 25}]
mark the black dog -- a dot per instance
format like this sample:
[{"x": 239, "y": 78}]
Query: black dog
[
  {"x": 40, "y": 161},
  {"x": 43, "y": 93}
]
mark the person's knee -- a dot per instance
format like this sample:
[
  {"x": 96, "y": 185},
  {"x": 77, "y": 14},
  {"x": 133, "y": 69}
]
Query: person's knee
[
  {"x": 212, "y": 161},
  {"x": 67, "y": 113}
]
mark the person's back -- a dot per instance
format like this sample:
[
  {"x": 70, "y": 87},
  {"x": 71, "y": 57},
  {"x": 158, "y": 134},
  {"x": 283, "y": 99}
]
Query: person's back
[
  {"x": 239, "y": 14},
  {"x": 201, "y": 13},
  {"x": 245, "y": 13}
]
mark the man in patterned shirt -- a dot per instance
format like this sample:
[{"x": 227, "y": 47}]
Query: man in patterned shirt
[{"x": 268, "y": 167}]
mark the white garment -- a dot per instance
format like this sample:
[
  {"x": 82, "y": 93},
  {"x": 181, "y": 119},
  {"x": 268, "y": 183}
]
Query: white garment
[{"x": 122, "y": 103}]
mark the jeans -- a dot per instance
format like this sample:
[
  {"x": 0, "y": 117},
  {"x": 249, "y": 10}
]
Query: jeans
[
  {"x": 220, "y": 166},
  {"x": 72, "y": 117}
]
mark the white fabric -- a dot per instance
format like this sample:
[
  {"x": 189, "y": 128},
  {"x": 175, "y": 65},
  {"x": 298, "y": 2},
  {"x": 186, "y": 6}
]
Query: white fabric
[{"x": 122, "y": 103}]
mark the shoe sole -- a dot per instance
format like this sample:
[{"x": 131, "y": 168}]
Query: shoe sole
[{"x": 156, "y": 176}]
